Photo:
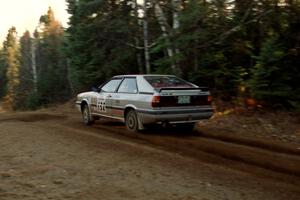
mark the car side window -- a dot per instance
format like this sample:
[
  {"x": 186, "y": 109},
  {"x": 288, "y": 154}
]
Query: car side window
[
  {"x": 128, "y": 86},
  {"x": 111, "y": 86}
]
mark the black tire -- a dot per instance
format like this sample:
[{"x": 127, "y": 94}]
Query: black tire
[
  {"x": 86, "y": 117},
  {"x": 131, "y": 121}
]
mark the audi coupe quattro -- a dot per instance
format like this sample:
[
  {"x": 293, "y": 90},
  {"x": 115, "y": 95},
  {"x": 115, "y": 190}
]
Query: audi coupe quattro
[{"x": 140, "y": 100}]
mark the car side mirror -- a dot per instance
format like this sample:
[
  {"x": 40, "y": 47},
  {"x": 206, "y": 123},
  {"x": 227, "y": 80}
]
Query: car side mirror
[{"x": 95, "y": 89}]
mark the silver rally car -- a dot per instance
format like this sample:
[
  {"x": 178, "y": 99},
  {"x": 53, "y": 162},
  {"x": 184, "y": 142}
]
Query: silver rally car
[{"x": 139, "y": 100}]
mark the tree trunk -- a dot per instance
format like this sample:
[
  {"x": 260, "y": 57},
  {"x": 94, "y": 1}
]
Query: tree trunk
[
  {"x": 176, "y": 24},
  {"x": 138, "y": 41},
  {"x": 146, "y": 39},
  {"x": 33, "y": 61},
  {"x": 162, "y": 20},
  {"x": 69, "y": 77},
  {"x": 176, "y": 8}
]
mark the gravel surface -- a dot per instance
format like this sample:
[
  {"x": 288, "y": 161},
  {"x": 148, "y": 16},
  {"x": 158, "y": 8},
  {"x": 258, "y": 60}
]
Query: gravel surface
[{"x": 46, "y": 156}]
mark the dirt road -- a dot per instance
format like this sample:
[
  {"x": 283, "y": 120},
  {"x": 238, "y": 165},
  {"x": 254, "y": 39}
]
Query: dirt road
[{"x": 45, "y": 155}]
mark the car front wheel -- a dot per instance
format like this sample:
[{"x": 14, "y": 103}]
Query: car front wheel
[{"x": 86, "y": 117}]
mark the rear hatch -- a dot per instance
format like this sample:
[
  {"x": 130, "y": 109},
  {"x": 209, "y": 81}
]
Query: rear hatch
[
  {"x": 182, "y": 97},
  {"x": 176, "y": 92}
]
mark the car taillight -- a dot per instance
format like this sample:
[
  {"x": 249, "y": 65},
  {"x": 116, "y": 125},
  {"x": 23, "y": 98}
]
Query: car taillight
[
  {"x": 155, "y": 101},
  {"x": 209, "y": 98}
]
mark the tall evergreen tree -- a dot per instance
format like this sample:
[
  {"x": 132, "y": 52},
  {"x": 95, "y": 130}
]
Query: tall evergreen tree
[
  {"x": 26, "y": 86},
  {"x": 102, "y": 37},
  {"x": 11, "y": 60},
  {"x": 52, "y": 67},
  {"x": 276, "y": 73},
  {"x": 228, "y": 45},
  {"x": 2, "y": 74}
]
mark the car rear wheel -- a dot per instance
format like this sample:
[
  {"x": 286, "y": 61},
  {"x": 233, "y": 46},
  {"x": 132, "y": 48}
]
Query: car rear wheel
[
  {"x": 86, "y": 117},
  {"x": 131, "y": 121}
]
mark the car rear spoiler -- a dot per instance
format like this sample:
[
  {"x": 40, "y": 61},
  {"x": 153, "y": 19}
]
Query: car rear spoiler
[{"x": 202, "y": 89}]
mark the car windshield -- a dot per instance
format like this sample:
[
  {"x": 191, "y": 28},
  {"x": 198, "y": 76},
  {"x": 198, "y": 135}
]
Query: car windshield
[{"x": 167, "y": 82}]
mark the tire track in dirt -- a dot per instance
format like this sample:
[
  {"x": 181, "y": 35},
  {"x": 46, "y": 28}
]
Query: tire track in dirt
[
  {"x": 194, "y": 144},
  {"x": 62, "y": 159}
]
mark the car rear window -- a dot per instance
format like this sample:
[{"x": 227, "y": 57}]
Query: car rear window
[{"x": 167, "y": 82}]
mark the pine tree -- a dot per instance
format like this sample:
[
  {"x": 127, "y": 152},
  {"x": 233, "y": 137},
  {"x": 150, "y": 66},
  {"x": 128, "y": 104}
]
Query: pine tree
[
  {"x": 11, "y": 50},
  {"x": 26, "y": 86},
  {"x": 276, "y": 73},
  {"x": 2, "y": 74},
  {"x": 221, "y": 44},
  {"x": 51, "y": 64},
  {"x": 101, "y": 37}
]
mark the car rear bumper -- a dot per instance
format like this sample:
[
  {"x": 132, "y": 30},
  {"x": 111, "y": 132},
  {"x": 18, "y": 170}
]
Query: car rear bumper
[{"x": 175, "y": 115}]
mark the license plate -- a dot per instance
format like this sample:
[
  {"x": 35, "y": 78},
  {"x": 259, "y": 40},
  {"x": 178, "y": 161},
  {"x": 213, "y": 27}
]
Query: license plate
[{"x": 184, "y": 99}]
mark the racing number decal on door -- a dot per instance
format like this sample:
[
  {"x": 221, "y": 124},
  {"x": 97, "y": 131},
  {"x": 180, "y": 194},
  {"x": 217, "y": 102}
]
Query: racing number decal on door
[{"x": 101, "y": 106}]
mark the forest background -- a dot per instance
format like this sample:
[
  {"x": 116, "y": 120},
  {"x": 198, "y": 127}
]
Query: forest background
[{"x": 240, "y": 49}]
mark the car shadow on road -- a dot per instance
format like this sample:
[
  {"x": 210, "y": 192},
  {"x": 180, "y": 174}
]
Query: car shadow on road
[{"x": 171, "y": 130}]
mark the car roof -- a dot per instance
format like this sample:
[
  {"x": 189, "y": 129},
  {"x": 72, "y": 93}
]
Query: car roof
[{"x": 141, "y": 75}]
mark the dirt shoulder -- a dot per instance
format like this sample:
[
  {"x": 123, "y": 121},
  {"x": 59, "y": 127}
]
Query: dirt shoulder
[{"x": 273, "y": 127}]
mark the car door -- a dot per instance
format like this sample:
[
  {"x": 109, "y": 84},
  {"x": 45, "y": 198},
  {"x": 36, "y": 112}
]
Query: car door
[
  {"x": 126, "y": 95},
  {"x": 103, "y": 102}
]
